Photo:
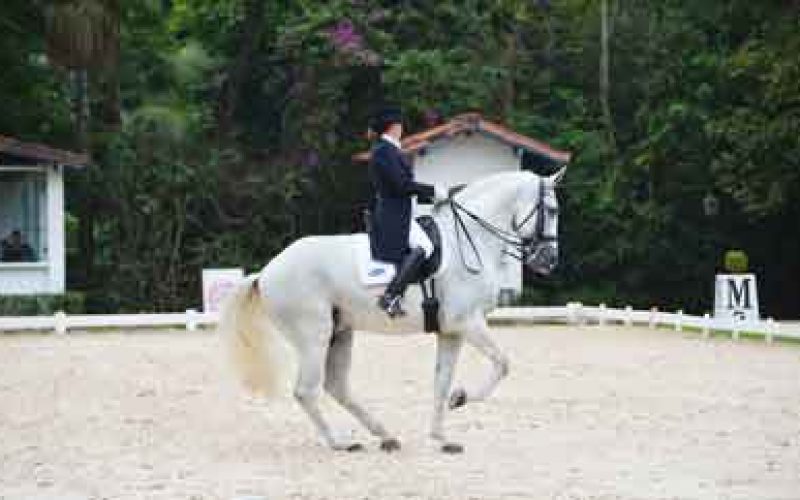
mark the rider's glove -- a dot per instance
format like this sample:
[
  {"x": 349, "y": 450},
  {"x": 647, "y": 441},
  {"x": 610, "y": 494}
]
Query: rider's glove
[{"x": 440, "y": 194}]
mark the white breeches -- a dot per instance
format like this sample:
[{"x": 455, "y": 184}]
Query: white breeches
[{"x": 418, "y": 238}]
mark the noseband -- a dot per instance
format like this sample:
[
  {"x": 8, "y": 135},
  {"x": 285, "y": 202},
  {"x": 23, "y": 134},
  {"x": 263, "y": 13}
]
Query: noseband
[{"x": 538, "y": 233}]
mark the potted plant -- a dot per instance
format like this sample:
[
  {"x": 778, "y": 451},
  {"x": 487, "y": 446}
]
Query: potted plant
[{"x": 735, "y": 295}]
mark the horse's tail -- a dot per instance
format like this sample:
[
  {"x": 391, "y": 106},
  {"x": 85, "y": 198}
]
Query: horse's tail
[{"x": 251, "y": 341}]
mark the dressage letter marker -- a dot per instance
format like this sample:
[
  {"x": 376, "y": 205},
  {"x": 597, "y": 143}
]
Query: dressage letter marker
[{"x": 735, "y": 298}]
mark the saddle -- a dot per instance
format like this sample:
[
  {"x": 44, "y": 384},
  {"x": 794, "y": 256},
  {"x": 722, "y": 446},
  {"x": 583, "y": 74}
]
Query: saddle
[{"x": 378, "y": 273}]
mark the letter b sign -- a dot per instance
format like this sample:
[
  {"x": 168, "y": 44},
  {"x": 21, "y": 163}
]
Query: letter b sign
[{"x": 735, "y": 297}]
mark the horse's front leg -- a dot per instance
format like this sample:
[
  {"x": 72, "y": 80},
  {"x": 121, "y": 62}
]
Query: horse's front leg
[
  {"x": 478, "y": 337},
  {"x": 447, "y": 349}
]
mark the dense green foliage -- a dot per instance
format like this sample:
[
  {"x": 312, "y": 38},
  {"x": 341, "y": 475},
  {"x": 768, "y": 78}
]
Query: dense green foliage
[
  {"x": 35, "y": 305},
  {"x": 223, "y": 129}
]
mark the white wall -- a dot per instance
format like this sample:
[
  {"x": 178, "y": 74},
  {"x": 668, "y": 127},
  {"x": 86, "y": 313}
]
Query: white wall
[
  {"x": 463, "y": 159},
  {"x": 25, "y": 278},
  {"x": 48, "y": 275}
]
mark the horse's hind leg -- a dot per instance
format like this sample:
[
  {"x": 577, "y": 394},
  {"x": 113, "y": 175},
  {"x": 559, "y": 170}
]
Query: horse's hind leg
[
  {"x": 337, "y": 383},
  {"x": 311, "y": 341}
]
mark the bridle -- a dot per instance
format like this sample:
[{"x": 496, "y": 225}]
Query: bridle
[
  {"x": 522, "y": 247},
  {"x": 538, "y": 233}
]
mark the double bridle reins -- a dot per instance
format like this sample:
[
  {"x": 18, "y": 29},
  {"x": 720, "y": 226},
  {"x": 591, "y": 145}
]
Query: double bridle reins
[{"x": 519, "y": 244}]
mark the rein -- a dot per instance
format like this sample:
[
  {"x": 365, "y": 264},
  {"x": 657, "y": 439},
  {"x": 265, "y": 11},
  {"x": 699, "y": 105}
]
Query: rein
[
  {"x": 506, "y": 237},
  {"x": 512, "y": 239}
]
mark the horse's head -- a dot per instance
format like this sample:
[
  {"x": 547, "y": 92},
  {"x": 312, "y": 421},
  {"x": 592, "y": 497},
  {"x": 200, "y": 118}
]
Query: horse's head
[{"x": 535, "y": 221}]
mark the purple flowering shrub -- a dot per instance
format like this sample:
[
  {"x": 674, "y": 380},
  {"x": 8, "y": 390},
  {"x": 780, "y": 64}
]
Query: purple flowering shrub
[{"x": 349, "y": 43}]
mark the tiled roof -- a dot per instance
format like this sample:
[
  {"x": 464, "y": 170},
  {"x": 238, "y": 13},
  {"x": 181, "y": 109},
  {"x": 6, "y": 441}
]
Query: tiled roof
[
  {"x": 474, "y": 122},
  {"x": 39, "y": 152}
]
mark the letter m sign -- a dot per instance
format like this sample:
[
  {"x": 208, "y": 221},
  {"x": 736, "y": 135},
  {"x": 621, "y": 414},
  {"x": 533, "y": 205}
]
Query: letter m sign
[
  {"x": 736, "y": 297},
  {"x": 739, "y": 293}
]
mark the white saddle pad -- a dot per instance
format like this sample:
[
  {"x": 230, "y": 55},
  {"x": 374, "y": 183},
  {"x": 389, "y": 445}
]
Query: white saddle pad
[{"x": 371, "y": 272}]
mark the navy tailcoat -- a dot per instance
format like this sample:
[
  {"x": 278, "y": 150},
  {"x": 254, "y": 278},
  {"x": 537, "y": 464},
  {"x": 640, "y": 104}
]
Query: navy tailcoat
[{"x": 393, "y": 185}]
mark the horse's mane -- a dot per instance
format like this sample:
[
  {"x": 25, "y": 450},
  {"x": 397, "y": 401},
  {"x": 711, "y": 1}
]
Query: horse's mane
[{"x": 486, "y": 186}]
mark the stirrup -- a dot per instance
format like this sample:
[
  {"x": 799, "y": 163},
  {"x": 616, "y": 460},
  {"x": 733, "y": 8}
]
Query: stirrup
[{"x": 392, "y": 305}]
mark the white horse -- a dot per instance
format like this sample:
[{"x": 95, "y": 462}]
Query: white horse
[{"x": 312, "y": 294}]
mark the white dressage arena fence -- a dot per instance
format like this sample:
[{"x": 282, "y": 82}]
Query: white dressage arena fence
[
  {"x": 61, "y": 323},
  {"x": 573, "y": 313},
  {"x": 577, "y": 313}
]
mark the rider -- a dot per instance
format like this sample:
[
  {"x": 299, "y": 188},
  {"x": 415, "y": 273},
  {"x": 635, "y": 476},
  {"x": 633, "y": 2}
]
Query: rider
[{"x": 394, "y": 235}]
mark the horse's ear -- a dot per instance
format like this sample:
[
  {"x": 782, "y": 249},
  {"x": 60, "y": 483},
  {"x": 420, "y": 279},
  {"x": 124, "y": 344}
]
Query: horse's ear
[{"x": 556, "y": 177}]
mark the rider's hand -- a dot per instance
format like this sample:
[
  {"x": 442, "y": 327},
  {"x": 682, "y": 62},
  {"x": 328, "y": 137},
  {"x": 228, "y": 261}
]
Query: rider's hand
[{"x": 440, "y": 194}]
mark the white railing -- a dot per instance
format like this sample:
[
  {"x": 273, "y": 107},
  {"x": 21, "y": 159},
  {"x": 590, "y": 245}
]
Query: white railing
[
  {"x": 573, "y": 313},
  {"x": 61, "y": 323},
  {"x": 579, "y": 314}
]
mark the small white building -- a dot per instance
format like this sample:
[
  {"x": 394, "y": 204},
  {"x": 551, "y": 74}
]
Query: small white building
[
  {"x": 469, "y": 147},
  {"x": 32, "y": 248}
]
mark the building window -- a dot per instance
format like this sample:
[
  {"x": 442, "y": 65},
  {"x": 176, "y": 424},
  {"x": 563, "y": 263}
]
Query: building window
[{"x": 23, "y": 216}]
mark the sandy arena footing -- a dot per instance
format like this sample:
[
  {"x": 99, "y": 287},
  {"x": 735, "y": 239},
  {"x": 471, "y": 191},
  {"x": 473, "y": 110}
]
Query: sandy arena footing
[{"x": 586, "y": 413}]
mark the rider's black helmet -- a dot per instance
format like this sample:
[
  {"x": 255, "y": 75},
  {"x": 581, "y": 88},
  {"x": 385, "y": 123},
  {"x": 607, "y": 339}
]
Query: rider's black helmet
[{"x": 386, "y": 117}]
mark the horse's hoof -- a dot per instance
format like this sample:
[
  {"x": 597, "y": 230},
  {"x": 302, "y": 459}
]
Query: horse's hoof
[
  {"x": 354, "y": 447},
  {"x": 458, "y": 398},
  {"x": 452, "y": 448},
  {"x": 390, "y": 445}
]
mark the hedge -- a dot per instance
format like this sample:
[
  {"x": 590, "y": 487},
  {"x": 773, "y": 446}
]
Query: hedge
[{"x": 35, "y": 305}]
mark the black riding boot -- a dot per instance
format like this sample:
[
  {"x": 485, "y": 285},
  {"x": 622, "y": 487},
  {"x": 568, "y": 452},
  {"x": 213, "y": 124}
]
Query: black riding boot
[{"x": 406, "y": 271}]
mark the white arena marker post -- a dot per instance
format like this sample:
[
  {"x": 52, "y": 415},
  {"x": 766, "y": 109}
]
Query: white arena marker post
[
  {"x": 770, "y": 336},
  {"x": 679, "y": 321},
  {"x": 191, "y": 320},
  {"x": 217, "y": 284},
  {"x": 601, "y": 321},
  {"x": 706, "y": 326},
  {"x": 579, "y": 312},
  {"x": 572, "y": 315},
  {"x": 735, "y": 332},
  {"x": 628, "y": 315},
  {"x": 60, "y": 323},
  {"x": 653, "y": 315},
  {"x": 736, "y": 298}
]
